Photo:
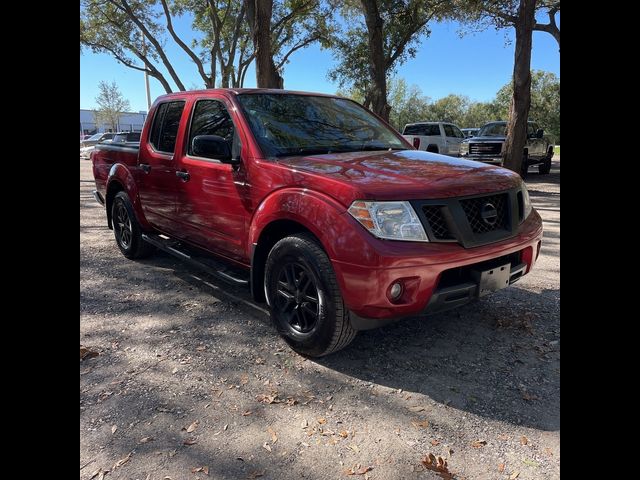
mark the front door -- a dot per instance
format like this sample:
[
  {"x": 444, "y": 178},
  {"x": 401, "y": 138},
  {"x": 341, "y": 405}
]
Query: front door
[
  {"x": 158, "y": 180},
  {"x": 213, "y": 198},
  {"x": 454, "y": 137}
]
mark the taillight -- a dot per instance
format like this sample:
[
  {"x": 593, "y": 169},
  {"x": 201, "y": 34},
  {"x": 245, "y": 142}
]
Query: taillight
[{"x": 416, "y": 142}]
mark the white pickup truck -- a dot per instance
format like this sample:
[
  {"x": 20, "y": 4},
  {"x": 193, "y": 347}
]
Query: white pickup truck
[{"x": 437, "y": 137}]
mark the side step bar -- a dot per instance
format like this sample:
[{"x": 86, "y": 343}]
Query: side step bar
[{"x": 210, "y": 266}]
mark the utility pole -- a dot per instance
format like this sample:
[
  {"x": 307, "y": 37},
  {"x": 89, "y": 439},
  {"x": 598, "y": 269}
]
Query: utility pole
[{"x": 146, "y": 74}]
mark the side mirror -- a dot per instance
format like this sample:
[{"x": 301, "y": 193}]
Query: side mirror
[
  {"x": 539, "y": 133},
  {"x": 212, "y": 146}
]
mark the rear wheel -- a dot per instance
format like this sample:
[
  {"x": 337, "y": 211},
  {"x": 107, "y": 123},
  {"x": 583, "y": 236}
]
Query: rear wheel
[
  {"x": 433, "y": 148},
  {"x": 524, "y": 168},
  {"x": 545, "y": 166},
  {"x": 126, "y": 228},
  {"x": 304, "y": 298}
]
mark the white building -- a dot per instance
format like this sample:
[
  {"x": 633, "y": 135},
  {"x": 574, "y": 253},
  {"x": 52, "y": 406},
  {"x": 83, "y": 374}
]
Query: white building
[{"x": 127, "y": 122}]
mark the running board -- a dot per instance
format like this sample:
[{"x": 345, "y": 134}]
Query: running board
[{"x": 208, "y": 265}]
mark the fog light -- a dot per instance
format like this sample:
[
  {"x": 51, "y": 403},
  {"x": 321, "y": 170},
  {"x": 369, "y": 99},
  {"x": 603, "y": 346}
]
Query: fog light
[{"x": 395, "y": 291}]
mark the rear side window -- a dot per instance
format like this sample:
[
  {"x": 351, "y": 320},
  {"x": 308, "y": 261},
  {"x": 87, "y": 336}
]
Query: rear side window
[
  {"x": 165, "y": 126},
  {"x": 428, "y": 130},
  {"x": 448, "y": 130},
  {"x": 210, "y": 117}
]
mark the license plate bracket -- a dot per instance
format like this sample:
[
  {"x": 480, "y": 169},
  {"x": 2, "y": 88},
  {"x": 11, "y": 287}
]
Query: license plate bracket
[{"x": 492, "y": 279}]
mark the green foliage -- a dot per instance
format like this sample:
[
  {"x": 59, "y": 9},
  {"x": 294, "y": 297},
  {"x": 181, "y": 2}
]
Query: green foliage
[
  {"x": 545, "y": 101},
  {"x": 410, "y": 105},
  {"x": 111, "y": 104}
]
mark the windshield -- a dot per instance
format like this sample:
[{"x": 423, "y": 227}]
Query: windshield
[
  {"x": 288, "y": 124},
  {"x": 493, "y": 130},
  {"x": 95, "y": 136}
]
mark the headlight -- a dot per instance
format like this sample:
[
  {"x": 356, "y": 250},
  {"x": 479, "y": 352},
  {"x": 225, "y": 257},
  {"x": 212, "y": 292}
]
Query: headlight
[
  {"x": 526, "y": 202},
  {"x": 464, "y": 148},
  {"x": 390, "y": 220}
]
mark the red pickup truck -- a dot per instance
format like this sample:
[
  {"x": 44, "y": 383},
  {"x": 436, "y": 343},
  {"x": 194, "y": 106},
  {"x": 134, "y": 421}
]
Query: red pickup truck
[{"x": 317, "y": 205}]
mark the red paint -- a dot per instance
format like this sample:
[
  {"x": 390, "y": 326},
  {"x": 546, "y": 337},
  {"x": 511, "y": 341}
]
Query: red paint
[{"x": 224, "y": 209}]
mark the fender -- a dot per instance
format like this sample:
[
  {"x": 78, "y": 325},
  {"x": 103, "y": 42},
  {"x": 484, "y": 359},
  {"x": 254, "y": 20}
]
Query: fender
[
  {"x": 339, "y": 234},
  {"x": 122, "y": 174}
]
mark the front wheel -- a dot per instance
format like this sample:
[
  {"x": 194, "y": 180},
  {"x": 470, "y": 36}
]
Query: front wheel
[
  {"x": 545, "y": 166},
  {"x": 126, "y": 228},
  {"x": 304, "y": 298}
]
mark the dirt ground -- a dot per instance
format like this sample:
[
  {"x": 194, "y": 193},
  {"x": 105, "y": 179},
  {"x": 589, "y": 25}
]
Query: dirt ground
[{"x": 191, "y": 380}]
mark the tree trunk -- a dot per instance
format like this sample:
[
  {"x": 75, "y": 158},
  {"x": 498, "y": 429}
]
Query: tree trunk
[
  {"x": 513, "y": 151},
  {"x": 377, "y": 71},
  {"x": 259, "y": 18}
]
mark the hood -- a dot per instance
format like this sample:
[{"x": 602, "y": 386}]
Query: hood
[
  {"x": 500, "y": 138},
  {"x": 397, "y": 175}
]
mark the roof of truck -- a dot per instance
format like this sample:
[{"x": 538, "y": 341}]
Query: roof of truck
[{"x": 238, "y": 91}]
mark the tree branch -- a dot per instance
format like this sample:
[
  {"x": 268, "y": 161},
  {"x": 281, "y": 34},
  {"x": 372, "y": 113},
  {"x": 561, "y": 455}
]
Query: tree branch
[
  {"x": 297, "y": 47},
  {"x": 183, "y": 45}
]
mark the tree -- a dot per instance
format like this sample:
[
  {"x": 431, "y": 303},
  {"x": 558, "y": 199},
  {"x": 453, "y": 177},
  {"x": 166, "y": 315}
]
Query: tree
[
  {"x": 259, "y": 17},
  {"x": 135, "y": 33},
  {"x": 513, "y": 149},
  {"x": 111, "y": 104},
  {"x": 381, "y": 35}
]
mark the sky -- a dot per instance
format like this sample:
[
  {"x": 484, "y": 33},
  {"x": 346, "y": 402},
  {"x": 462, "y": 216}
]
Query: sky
[{"x": 476, "y": 65}]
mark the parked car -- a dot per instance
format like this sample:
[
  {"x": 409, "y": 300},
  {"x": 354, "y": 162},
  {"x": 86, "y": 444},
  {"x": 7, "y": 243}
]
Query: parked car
[
  {"x": 470, "y": 132},
  {"x": 321, "y": 209},
  {"x": 487, "y": 147},
  {"x": 436, "y": 137},
  {"x": 126, "y": 137},
  {"x": 95, "y": 139}
]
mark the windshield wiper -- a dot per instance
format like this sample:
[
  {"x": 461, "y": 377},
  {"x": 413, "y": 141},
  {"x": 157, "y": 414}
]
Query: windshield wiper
[{"x": 306, "y": 151}]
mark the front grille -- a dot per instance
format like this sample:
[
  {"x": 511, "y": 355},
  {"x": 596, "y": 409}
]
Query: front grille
[
  {"x": 474, "y": 208},
  {"x": 485, "y": 148},
  {"x": 436, "y": 220}
]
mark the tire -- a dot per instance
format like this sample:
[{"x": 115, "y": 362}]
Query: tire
[
  {"x": 304, "y": 298},
  {"x": 545, "y": 166},
  {"x": 127, "y": 230},
  {"x": 432, "y": 148}
]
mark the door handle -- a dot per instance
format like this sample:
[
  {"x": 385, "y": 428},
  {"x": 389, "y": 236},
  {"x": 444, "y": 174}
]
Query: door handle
[
  {"x": 145, "y": 167},
  {"x": 183, "y": 175}
]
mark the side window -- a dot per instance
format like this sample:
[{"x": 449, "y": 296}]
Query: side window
[
  {"x": 448, "y": 130},
  {"x": 165, "y": 126},
  {"x": 210, "y": 117},
  {"x": 531, "y": 129},
  {"x": 457, "y": 132},
  {"x": 432, "y": 130}
]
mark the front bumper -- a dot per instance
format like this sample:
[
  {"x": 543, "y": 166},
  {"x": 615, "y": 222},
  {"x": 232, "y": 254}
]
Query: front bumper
[
  {"x": 490, "y": 159},
  {"x": 437, "y": 279}
]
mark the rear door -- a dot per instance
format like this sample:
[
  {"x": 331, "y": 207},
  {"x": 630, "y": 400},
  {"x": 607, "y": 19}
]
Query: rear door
[
  {"x": 212, "y": 203},
  {"x": 453, "y": 137},
  {"x": 158, "y": 182}
]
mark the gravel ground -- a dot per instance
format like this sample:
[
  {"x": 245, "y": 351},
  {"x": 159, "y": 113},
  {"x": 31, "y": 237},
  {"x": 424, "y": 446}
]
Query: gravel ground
[{"x": 191, "y": 381}]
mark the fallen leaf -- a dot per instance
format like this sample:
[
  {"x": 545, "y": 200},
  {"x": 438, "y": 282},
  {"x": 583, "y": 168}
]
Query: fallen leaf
[
  {"x": 304, "y": 423},
  {"x": 435, "y": 443},
  {"x": 422, "y": 424},
  {"x": 501, "y": 467},
  {"x": 344, "y": 434},
  {"x": 86, "y": 353},
  {"x": 259, "y": 361},
  {"x": 357, "y": 470},
  {"x": 524, "y": 440},
  {"x": 244, "y": 378},
  {"x": 274, "y": 436},
  {"x": 175, "y": 370},
  {"x": 322, "y": 421},
  {"x": 255, "y": 474},
  {"x": 354, "y": 448},
  {"x": 514, "y": 475},
  {"x": 190, "y": 441},
  {"x": 100, "y": 473},
  {"x": 113, "y": 429},
  {"x": 247, "y": 413},
  {"x": 146, "y": 440},
  {"x": 191, "y": 427},
  {"x": 437, "y": 464},
  {"x": 548, "y": 451},
  {"x": 204, "y": 469},
  {"x": 201, "y": 348},
  {"x": 530, "y": 463},
  {"x": 226, "y": 425},
  {"x": 479, "y": 443},
  {"x": 416, "y": 408},
  {"x": 266, "y": 446},
  {"x": 122, "y": 461}
]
